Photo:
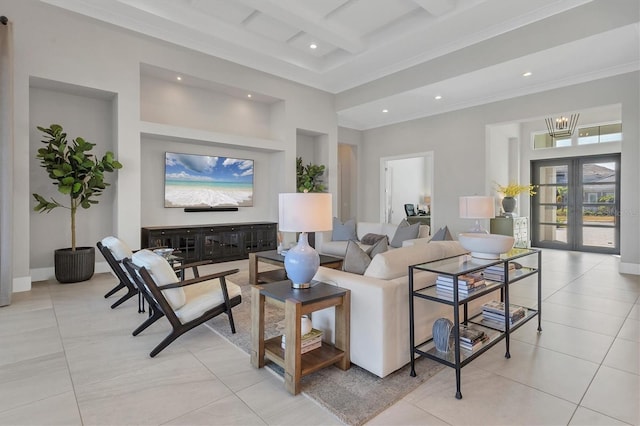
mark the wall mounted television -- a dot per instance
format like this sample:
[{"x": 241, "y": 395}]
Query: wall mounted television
[{"x": 203, "y": 181}]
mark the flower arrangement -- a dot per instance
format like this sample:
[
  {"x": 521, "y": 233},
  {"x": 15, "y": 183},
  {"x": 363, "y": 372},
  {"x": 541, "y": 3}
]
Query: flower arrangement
[{"x": 513, "y": 189}]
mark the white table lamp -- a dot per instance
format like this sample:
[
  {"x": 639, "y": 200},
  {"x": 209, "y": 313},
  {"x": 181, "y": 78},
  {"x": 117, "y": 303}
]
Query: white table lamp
[
  {"x": 477, "y": 207},
  {"x": 303, "y": 212}
]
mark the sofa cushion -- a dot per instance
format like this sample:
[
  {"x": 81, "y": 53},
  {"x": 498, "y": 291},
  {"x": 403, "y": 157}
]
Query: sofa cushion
[
  {"x": 344, "y": 231},
  {"x": 405, "y": 232}
]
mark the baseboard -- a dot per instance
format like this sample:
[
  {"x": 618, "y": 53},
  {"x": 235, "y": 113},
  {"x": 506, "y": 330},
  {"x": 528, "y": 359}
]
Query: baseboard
[
  {"x": 629, "y": 268},
  {"x": 21, "y": 284},
  {"x": 44, "y": 274}
]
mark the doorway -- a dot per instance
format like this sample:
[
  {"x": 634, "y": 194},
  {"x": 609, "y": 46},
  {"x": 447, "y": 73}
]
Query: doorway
[
  {"x": 406, "y": 180},
  {"x": 576, "y": 204}
]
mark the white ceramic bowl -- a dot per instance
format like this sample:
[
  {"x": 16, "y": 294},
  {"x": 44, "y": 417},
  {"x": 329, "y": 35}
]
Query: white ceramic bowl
[
  {"x": 164, "y": 252},
  {"x": 486, "y": 246}
]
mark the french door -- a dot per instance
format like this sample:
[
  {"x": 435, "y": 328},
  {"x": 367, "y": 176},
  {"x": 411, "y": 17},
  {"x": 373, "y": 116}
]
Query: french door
[{"x": 577, "y": 203}]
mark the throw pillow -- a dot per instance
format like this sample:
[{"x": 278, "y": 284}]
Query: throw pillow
[
  {"x": 443, "y": 234},
  {"x": 405, "y": 233},
  {"x": 355, "y": 260},
  {"x": 370, "y": 239},
  {"x": 379, "y": 247},
  {"x": 344, "y": 231}
]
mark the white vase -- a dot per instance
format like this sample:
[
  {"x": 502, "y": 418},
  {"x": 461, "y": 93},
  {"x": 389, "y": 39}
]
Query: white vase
[{"x": 305, "y": 325}]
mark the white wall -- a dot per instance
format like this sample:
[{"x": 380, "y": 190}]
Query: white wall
[
  {"x": 64, "y": 47},
  {"x": 459, "y": 144}
]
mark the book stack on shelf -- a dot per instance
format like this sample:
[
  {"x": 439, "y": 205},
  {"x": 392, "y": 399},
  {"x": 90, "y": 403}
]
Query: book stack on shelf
[
  {"x": 471, "y": 338},
  {"x": 493, "y": 313},
  {"x": 310, "y": 341},
  {"x": 496, "y": 272},
  {"x": 467, "y": 284}
]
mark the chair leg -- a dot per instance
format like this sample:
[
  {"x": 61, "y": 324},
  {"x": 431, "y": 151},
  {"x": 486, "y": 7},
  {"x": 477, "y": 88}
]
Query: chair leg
[
  {"x": 124, "y": 298},
  {"x": 233, "y": 325},
  {"x": 157, "y": 314},
  {"x": 167, "y": 340},
  {"x": 114, "y": 290}
]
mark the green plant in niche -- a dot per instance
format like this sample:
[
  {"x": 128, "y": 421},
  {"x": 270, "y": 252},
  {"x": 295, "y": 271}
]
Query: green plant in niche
[
  {"x": 76, "y": 172},
  {"x": 309, "y": 177}
]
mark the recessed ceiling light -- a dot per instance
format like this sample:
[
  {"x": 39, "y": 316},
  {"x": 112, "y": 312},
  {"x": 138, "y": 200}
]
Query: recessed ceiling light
[
  {"x": 178, "y": 78},
  {"x": 249, "y": 95},
  {"x": 385, "y": 110},
  {"x": 313, "y": 46},
  {"x": 527, "y": 74},
  {"x": 438, "y": 97}
]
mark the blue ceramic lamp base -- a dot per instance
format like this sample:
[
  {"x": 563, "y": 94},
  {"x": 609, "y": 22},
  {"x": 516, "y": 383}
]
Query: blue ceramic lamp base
[{"x": 301, "y": 263}]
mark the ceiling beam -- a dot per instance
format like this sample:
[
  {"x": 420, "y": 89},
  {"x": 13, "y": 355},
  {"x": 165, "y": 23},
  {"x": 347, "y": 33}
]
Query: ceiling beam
[{"x": 312, "y": 23}]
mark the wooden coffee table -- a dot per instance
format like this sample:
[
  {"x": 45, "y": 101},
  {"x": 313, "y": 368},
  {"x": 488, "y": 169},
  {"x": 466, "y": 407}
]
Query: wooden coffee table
[
  {"x": 272, "y": 257},
  {"x": 298, "y": 302}
]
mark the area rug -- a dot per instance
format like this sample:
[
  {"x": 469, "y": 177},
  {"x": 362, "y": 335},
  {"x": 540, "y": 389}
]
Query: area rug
[{"x": 355, "y": 396}]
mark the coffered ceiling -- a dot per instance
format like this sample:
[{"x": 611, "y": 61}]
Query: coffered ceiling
[{"x": 397, "y": 55}]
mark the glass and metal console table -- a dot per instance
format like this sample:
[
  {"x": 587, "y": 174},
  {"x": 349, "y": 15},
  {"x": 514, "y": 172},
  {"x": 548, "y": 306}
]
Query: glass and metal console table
[{"x": 456, "y": 266}]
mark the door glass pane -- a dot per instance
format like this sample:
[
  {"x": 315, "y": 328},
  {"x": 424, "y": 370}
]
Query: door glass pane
[
  {"x": 552, "y": 194},
  {"x": 553, "y": 233},
  {"x": 598, "y": 237},
  {"x": 553, "y": 174},
  {"x": 602, "y": 215},
  {"x": 599, "y": 173},
  {"x": 553, "y": 214}
]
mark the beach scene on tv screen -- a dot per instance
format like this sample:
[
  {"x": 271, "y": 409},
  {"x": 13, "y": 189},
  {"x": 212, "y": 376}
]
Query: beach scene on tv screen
[{"x": 206, "y": 181}]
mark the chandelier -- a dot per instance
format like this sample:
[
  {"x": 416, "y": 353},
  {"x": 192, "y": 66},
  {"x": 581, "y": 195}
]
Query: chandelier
[{"x": 562, "y": 127}]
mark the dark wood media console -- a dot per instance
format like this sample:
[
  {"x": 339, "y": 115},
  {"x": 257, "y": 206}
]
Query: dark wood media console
[{"x": 217, "y": 242}]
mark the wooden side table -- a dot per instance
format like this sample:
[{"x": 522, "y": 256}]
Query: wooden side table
[{"x": 298, "y": 302}]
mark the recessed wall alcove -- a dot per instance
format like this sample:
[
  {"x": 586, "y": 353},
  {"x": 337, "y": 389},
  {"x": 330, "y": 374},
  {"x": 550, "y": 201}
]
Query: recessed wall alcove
[{"x": 82, "y": 112}]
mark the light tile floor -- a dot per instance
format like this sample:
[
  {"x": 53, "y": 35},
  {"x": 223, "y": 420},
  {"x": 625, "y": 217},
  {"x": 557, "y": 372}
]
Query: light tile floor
[{"x": 66, "y": 358}]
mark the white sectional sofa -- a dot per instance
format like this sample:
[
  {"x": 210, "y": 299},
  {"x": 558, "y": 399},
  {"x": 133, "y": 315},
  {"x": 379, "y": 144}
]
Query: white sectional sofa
[
  {"x": 324, "y": 244},
  {"x": 380, "y": 305}
]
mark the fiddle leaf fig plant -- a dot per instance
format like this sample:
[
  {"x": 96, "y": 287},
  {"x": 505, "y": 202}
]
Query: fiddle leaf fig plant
[
  {"x": 76, "y": 172},
  {"x": 309, "y": 177}
]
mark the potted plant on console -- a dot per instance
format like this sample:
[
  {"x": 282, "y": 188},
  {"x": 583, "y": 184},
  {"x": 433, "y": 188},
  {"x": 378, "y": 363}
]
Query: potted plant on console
[
  {"x": 79, "y": 175},
  {"x": 510, "y": 191}
]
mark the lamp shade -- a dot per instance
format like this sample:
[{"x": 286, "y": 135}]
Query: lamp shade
[
  {"x": 305, "y": 212},
  {"x": 477, "y": 207}
]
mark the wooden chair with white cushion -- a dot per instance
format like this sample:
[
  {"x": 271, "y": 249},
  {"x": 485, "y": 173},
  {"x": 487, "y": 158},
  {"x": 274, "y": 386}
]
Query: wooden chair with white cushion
[
  {"x": 185, "y": 303},
  {"x": 114, "y": 251}
]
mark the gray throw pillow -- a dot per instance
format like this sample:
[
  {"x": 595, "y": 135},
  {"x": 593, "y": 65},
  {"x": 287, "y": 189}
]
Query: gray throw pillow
[
  {"x": 344, "y": 231},
  {"x": 443, "y": 234},
  {"x": 379, "y": 247},
  {"x": 355, "y": 260},
  {"x": 404, "y": 233},
  {"x": 371, "y": 239}
]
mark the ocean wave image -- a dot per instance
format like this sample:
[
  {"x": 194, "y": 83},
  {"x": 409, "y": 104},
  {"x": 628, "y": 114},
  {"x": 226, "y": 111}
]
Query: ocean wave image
[{"x": 207, "y": 181}]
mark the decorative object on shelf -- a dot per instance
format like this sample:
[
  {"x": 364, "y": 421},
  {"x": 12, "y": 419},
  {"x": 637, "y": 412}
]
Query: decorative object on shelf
[
  {"x": 305, "y": 324},
  {"x": 164, "y": 252},
  {"x": 562, "y": 127},
  {"x": 477, "y": 207},
  {"x": 486, "y": 246},
  {"x": 510, "y": 191},
  {"x": 79, "y": 175},
  {"x": 309, "y": 177},
  {"x": 303, "y": 212},
  {"x": 442, "y": 334}
]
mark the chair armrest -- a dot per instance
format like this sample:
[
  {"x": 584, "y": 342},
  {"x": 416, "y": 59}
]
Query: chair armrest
[{"x": 197, "y": 280}]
